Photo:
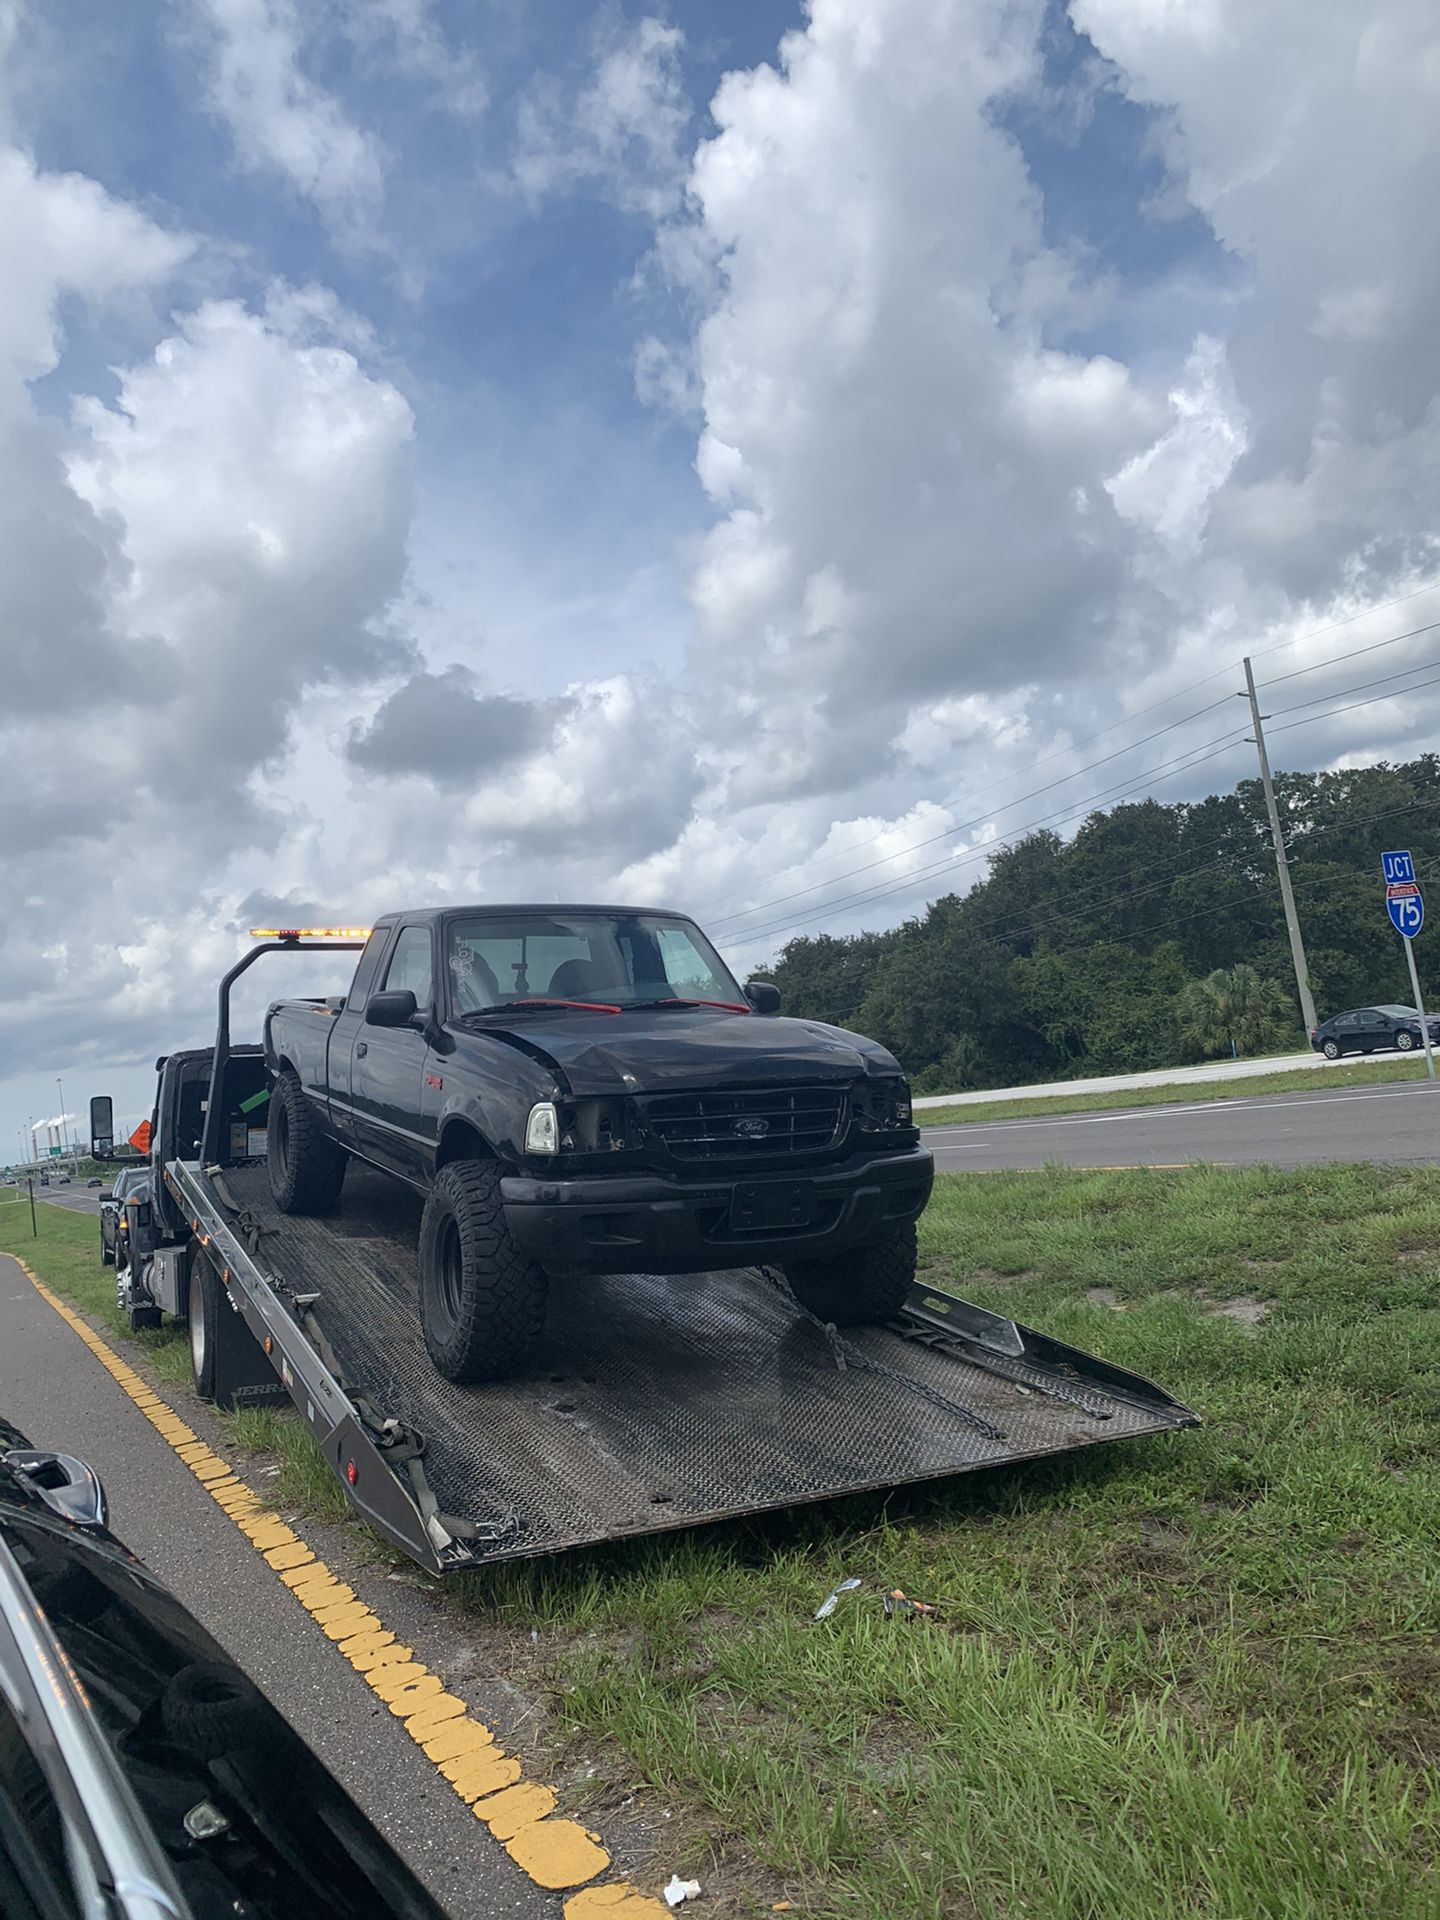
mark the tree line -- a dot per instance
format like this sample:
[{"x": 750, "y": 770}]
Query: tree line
[{"x": 1154, "y": 936}]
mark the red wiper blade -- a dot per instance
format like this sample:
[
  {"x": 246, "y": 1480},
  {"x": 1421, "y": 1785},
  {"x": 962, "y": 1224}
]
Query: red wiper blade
[
  {"x": 676, "y": 1000},
  {"x": 544, "y": 1000}
]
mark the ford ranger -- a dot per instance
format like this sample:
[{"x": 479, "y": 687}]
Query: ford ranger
[{"x": 588, "y": 1089}]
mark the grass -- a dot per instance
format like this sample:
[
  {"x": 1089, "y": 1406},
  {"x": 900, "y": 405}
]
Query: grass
[
  {"x": 1295, "y": 1080},
  {"x": 1196, "y": 1676}
]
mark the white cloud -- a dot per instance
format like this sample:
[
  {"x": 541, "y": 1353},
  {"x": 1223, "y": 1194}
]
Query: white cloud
[
  {"x": 281, "y": 121},
  {"x": 622, "y": 132},
  {"x": 405, "y": 35}
]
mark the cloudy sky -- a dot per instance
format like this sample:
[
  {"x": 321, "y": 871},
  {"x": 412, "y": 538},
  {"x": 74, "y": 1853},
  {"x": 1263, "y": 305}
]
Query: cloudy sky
[{"x": 751, "y": 457}]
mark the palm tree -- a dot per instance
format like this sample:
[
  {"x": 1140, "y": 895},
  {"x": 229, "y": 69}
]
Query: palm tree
[{"x": 1233, "y": 1010}]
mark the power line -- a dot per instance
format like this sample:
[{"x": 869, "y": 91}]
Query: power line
[
  {"x": 1372, "y": 701},
  {"x": 1128, "y": 894},
  {"x": 1280, "y": 646},
  {"x": 1337, "y": 693},
  {"x": 1354, "y": 654},
  {"x": 1069, "y": 811},
  {"x": 1254, "y": 899},
  {"x": 965, "y": 825}
]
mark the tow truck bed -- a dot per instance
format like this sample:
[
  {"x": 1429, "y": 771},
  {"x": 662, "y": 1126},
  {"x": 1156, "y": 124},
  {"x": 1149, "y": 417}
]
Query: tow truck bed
[{"x": 657, "y": 1403}]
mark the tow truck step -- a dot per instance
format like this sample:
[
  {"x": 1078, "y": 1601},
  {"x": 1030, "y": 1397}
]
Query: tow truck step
[{"x": 659, "y": 1403}]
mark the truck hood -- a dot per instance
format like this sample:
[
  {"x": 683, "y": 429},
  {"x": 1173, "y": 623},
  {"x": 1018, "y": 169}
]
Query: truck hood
[{"x": 665, "y": 1050}]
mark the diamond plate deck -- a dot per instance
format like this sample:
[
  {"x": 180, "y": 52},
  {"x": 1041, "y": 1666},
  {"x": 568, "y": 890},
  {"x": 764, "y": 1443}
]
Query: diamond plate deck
[{"x": 658, "y": 1403}]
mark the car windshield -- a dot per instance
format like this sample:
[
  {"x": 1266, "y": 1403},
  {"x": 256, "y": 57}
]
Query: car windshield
[{"x": 609, "y": 959}]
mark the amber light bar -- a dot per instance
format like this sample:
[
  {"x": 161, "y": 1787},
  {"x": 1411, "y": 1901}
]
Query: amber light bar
[{"x": 310, "y": 933}]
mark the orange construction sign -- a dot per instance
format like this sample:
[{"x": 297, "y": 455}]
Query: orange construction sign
[{"x": 140, "y": 1138}]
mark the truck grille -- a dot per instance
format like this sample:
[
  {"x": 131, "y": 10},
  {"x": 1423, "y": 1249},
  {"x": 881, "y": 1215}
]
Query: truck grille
[{"x": 747, "y": 1123}]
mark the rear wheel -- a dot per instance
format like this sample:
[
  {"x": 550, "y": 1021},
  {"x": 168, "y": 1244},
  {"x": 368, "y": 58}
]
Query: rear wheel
[
  {"x": 306, "y": 1168},
  {"x": 482, "y": 1300},
  {"x": 1331, "y": 1049},
  {"x": 203, "y": 1314},
  {"x": 1404, "y": 1041},
  {"x": 855, "y": 1289}
]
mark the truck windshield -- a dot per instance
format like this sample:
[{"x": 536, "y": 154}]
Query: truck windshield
[{"x": 618, "y": 960}]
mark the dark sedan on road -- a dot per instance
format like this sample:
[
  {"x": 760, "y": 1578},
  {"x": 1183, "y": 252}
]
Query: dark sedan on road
[
  {"x": 142, "y": 1775},
  {"x": 1366, "y": 1029},
  {"x": 129, "y": 1182}
]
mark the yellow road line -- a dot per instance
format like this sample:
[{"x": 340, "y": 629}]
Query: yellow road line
[{"x": 556, "y": 1853}]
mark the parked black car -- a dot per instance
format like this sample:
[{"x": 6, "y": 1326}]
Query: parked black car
[
  {"x": 142, "y": 1774},
  {"x": 589, "y": 1090},
  {"x": 130, "y": 1182},
  {"x": 1367, "y": 1028}
]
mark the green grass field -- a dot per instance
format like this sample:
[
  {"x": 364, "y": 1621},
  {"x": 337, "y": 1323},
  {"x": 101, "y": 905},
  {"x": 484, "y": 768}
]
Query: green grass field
[
  {"x": 1294, "y": 1080},
  {"x": 1196, "y": 1676}
]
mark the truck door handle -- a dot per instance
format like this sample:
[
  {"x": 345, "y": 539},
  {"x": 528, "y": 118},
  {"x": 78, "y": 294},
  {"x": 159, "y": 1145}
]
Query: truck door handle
[{"x": 361, "y": 1049}]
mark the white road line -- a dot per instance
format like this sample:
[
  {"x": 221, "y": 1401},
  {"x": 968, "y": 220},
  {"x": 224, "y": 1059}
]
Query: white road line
[{"x": 1290, "y": 1101}]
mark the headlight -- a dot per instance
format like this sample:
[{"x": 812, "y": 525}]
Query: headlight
[
  {"x": 887, "y": 1106},
  {"x": 542, "y": 1129}
]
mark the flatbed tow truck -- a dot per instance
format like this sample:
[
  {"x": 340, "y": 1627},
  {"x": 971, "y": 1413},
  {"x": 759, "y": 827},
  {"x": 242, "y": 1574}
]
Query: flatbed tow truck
[{"x": 653, "y": 1403}]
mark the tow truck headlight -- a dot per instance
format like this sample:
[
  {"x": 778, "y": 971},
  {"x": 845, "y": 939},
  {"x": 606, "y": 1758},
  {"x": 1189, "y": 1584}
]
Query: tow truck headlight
[{"x": 542, "y": 1129}]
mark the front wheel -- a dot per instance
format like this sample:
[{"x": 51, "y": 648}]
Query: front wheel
[
  {"x": 1331, "y": 1049},
  {"x": 858, "y": 1288},
  {"x": 482, "y": 1300},
  {"x": 1404, "y": 1041},
  {"x": 305, "y": 1166}
]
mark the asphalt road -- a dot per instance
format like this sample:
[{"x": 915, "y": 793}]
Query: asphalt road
[
  {"x": 79, "y": 1199},
  {"x": 1398, "y": 1124},
  {"x": 57, "y": 1393}
]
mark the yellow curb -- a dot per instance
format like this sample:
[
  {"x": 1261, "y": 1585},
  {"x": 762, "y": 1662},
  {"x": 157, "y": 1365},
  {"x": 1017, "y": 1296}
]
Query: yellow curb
[
  {"x": 519, "y": 1806},
  {"x": 619, "y": 1901},
  {"x": 555, "y": 1853},
  {"x": 433, "y": 1715},
  {"x": 558, "y": 1853},
  {"x": 455, "y": 1738}
]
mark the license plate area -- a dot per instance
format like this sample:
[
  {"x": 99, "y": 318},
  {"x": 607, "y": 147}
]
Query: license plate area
[{"x": 760, "y": 1206}]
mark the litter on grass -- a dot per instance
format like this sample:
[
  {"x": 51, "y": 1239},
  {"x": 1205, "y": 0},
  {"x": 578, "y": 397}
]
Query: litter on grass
[
  {"x": 899, "y": 1604},
  {"x": 832, "y": 1599},
  {"x": 679, "y": 1891}
]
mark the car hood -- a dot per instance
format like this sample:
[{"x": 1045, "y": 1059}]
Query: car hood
[{"x": 657, "y": 1050}]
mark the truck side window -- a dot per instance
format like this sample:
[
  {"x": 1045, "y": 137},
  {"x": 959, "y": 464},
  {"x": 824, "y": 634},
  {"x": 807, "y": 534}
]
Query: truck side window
[{"x": 410, "y": 965}]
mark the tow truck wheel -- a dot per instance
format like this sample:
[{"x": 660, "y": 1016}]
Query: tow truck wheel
[
  {"x": 306, "y": 1170},
  {"x": 482, "y": 1302},
  {"x": 203, "y": 1313},
  {"x": 855, "y": 1289}
]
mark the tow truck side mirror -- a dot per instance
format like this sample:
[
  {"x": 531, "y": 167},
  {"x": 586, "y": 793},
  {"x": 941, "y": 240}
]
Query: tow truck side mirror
[
  {"x": 763, "y": 995},
  {"x": 394, "y": 1008}
]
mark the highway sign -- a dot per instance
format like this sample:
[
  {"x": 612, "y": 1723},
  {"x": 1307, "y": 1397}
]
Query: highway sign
[
  {"x": 1397, "y": 866},
  {"x": 1406, "y": 907}
]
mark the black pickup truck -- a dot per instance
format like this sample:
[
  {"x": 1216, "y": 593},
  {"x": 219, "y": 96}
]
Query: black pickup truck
[{"x": 587, "y": 1089}]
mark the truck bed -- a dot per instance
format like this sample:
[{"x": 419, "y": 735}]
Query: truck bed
[{"x": 658, "y": 1403}]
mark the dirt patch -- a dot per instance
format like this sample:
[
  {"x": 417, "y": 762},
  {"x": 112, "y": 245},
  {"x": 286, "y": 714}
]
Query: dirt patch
[
  {"x": 1108, "y": 1297},
  {"x": 1412, "y": 1256},
  {"x": 1245, "y": 1307}
]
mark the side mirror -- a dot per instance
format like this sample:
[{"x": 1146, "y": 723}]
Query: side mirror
[
  {"x": 109, "y": 1195},
  {"x": 395, "y": 1008},
  {"x": 763, "y": 995}
]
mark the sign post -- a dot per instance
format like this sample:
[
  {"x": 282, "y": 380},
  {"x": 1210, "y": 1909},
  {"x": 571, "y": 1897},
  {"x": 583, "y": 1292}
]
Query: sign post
[{"x": 1405, "y": 904}]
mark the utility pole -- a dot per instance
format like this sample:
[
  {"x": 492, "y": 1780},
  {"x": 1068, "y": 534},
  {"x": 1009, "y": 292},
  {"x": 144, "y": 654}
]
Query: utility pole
[{"x": 1282, "y": 865}]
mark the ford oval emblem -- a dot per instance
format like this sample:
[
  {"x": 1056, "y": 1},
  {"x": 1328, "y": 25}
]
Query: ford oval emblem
[{"x": 752, "y": 1128}]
